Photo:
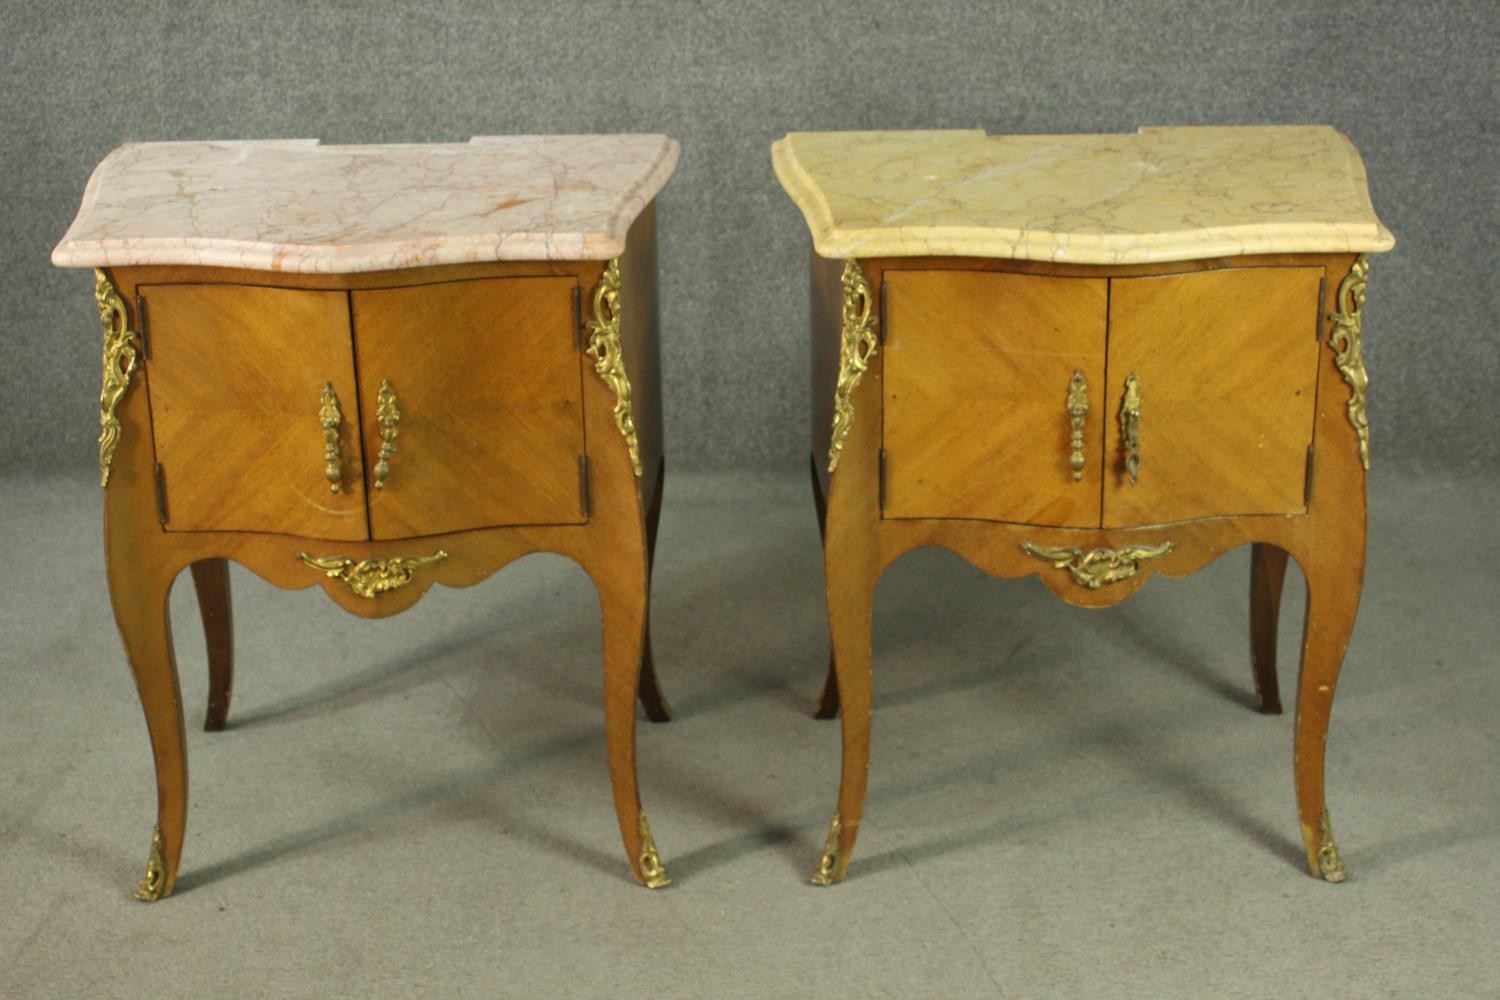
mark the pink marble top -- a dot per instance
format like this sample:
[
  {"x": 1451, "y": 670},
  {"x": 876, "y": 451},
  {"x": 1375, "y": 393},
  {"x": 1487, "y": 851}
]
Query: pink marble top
[{"x": 295, "y": 205}]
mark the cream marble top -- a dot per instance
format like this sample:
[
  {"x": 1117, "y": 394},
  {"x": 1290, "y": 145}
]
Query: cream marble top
[
  {"x": 1160, "y": 194},
  {"x": 296, "y": 205}
]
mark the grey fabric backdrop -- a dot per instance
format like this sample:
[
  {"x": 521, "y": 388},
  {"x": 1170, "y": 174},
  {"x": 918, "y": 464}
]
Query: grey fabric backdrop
[{"x": 1414, "y": 84}]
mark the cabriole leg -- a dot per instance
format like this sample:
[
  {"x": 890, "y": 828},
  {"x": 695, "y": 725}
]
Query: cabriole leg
[
  {"x": 1332, "y": 601},
  {"x": 211, "y": 581},
  {"x": 850, "y": 594},
  {"x": 828, "y": 700},
  {"x": 1267, "y": 574},
  {"x": 624, "y": 612},
  {"x": 140, "y": 599}
]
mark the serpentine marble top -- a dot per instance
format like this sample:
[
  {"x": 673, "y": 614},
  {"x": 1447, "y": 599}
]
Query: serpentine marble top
[
  {"x": 295, "y": 205},
  {"x": 1160, "y": 194}
]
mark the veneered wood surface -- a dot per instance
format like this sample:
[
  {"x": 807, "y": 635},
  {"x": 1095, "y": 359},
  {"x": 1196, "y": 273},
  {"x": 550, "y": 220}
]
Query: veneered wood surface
[
  {"x": 236, "y": 375},
  {"x": 977, "y": 369},
  {"x": 487, "y": 380},
  {"x": 1327, "y": 541},
  {"x": 1227, "y": 362}
]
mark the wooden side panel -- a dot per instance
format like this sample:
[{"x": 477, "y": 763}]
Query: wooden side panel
[
  {"x": 977, "y": 371},
  {"x": 486, "y": 375},
  {"x": 236, "y": 377},
  {"x": 1227, "y": 362},
  {"x": 640, "y": 344},
  {"x": 825, "y": 301}
]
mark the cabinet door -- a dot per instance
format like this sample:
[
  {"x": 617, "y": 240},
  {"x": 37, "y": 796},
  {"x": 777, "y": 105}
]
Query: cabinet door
[
  {"x": 236, "y": 377},
  {"x": 1226, "y": 363},
  {"x": 977, "y": 374},
  {"x": 486, "y": 377}
]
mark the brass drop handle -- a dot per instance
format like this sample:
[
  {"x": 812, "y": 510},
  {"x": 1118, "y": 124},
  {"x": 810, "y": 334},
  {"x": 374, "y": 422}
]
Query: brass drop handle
[
  {"x": 1078, "y": 409},
  {"x": 387, "y": 416},
  {"x": 1130, "y": 427},
  {"x": 332, "y": 420}
]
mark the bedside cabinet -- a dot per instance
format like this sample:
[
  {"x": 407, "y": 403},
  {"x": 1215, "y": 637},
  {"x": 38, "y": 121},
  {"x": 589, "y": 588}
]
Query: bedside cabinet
[
  {"x": 373, "y": 369},
  {"x": 1090, "y": 358}
]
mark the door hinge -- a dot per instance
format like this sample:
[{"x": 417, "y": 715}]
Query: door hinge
[
  {"x": 880, "y": 325},
  {"x": 882, "y": 479},
  {"x": 577, "y": 321},
  {"x": 1322, "y": 293},
  {"x": 161, "y": 494},
  {"x": 1307, "y": 478},
  {"x": 143, "y": 326},
  {"x": 583, "y": 484}
]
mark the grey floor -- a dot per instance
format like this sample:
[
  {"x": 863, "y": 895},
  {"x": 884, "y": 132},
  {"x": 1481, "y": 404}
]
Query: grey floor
[{"x": 1062, "y": 803}]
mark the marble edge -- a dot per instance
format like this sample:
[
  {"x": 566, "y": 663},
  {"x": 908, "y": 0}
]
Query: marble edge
[
  {"x": 805, "y": 194},
  {"x": 364, "y": 257},
  {"x": 1361, "y": 180},
  {"x": 833, "y": 243},
  {"x": 1136, "y": 248},
  {"x": 634, "y": 200},
  {"x": 316, "y": 258}
]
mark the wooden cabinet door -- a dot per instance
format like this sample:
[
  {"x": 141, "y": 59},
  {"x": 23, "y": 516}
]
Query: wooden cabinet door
[
  {"x": 977, "y": 373},
  {"x": 235, "y": 377},
  {"x": 1227, "y": 366},
  {"x": 487, "y": 379}
]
